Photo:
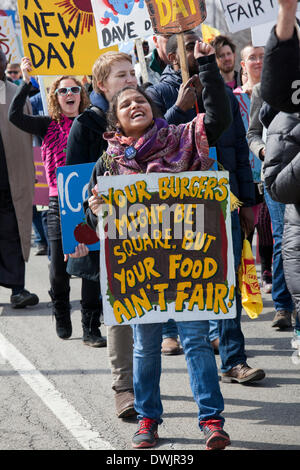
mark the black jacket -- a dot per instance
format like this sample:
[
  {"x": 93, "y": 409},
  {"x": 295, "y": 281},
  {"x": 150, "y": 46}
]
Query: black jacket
[
  {"x": 85, "y": 142},
  {"x": 282, "y": 179},
  {"x": 230, "y": 141},
  {"x": 280, "y": 70},
  {"x": 86, "y": 145}
]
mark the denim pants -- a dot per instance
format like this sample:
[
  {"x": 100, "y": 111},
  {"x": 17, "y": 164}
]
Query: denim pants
[
  {"x": 201, "y": 365},
  {"x": 232, "y": 341},
  {"x": 280, "y": 294}
]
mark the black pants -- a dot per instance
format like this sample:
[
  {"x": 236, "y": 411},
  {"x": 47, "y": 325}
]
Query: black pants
[
  {"x": 12, "y": 264},
  {"x": 59, "y": 278}
]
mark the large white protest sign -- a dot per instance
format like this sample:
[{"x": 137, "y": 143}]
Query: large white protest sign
[
  {"x": 166, "y": 249},
  {"x": 260, "y": 34},
  {"x": 243, "y": 14},
  {"x": 119, "y": 21}
]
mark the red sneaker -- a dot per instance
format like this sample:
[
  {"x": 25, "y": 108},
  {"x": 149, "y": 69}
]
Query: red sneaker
[
  {"x": 146, "y": 435},
  {"x": 216, "y": 438}
]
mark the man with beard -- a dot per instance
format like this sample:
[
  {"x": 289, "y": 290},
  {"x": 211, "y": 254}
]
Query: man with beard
[
  {"x": 225, "y": 56},
  {"x": 179, "y": 104}
]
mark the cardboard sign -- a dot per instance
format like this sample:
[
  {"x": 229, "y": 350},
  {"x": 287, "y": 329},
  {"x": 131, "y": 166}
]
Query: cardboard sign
[
  {"x": 8, "y": 40},
  {"x": 120, "y": 21},
  {"x": 243, "y": 14},
  {"x": 261, "y": 33},
  {"x": 59, "y": 36},
  {"x": 41, "y": 189},
  {"x": 255, "y": 162},
  {"x": 176, "y": 16},
  {"x": 72, "y": 183},
  {"x": 167, "y": 248}
]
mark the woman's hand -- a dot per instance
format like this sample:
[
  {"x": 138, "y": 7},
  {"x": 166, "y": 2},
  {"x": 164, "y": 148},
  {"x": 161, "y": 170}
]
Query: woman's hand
[
  {"x": 202, "y": 49},
  {"x": 95, "y": 201},
  {"x": 26, "y": 68},
  {"x": 81, "y": 250}
]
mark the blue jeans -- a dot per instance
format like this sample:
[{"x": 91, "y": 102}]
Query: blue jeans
[
  {"x": 280, "y": 294},
  {"x": 40, "y": 227},
  {"x": 169, "y": 329},
  {"x": 201, "y": 366},
  {"x": 232, "y": 341}
]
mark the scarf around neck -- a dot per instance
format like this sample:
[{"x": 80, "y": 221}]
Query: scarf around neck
[{"x": 164, "y": 148}]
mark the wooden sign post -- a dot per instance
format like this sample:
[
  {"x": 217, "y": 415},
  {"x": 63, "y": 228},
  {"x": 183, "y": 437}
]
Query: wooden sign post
[
  {"x": 141, "y": 57},
  {"x": 176, "y": 17},
  {"x": 183, "y": 58}
]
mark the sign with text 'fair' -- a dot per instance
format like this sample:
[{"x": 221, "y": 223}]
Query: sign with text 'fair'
[
  {"x": 167, "y": 248},
  {"x": 243, "y": 14}
]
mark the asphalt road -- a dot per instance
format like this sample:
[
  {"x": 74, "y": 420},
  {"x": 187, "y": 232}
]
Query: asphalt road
[{"x": 56, "y": 394}]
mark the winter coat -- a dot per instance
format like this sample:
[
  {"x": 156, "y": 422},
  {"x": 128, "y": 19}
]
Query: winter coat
[
  {"x": 280, "y": 70},
  {"x": 21, "y": 173},
  {"x": 86, "y": 145},
  {"x": 232, "y": 147},
  {"x": 282, "y": 179}
]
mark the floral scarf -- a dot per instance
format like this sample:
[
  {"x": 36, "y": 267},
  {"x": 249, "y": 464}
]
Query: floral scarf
[{"x": 165, "y": 148}]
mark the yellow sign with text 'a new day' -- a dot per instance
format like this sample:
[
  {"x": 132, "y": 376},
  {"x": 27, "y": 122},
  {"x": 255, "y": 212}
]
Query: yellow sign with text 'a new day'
[{"x": 59, "y": 36}]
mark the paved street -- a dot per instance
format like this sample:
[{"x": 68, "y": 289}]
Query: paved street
[{"x": 57, "y": 395}]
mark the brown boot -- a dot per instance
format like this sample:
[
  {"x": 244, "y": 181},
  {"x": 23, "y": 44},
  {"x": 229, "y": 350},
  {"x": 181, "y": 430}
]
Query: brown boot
[
  {"x": 282, "y": 319},
  {"x": 171, "y": 347},
  {"x": 242, "y": 373},
  {"x": 124, "y": 402}
]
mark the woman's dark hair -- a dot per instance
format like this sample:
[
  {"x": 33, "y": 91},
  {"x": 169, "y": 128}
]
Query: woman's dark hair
[{"x": 112, "y": 117}]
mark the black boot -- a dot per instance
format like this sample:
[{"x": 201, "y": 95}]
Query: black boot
[
  {"x": 62, "y": 311},
  {"x": 91, "y": 331}
]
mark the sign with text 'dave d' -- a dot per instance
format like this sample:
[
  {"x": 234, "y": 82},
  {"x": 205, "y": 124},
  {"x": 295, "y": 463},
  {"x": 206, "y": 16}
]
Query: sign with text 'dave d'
[
  {"x": 166, "y": 247},
  {"x": 120, "y": 21},
  {"x": 175, "y": 16}
]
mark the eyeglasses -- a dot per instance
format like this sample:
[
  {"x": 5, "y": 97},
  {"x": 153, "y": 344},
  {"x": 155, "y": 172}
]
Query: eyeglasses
[
  {"x": 75, "y": 90},
  {"x": 12, "y": 71},
  {"x": 255, "y": 58}
]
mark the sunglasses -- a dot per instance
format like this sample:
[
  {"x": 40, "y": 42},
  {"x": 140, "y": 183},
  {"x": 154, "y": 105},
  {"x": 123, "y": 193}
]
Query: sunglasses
[
  {"x": 12, "y": 71},
  {"x": 75, "y": 90}
]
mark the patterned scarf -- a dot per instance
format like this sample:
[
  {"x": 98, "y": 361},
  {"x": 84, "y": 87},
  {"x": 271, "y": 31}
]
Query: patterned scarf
[{"x": 165, "y": 148}]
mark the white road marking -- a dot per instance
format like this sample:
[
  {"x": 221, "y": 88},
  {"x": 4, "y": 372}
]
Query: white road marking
[{"x": 60, "y": 407}]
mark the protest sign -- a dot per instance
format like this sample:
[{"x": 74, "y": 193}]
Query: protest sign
[
  {"x": 255, "y": 163},
  {"x": 243, "y": 14},
  {"x": 72, "y": 183},
  {"x": 120, "y": 21},
  {"x": 167, "y": 248},
  {"x": 8, "y": 40},
  {"x": 59, "y": 36},
  {"x": 41, "y": 189},
  {"x": 261, "y": 33},
  {"x": 175, "y": 16}
]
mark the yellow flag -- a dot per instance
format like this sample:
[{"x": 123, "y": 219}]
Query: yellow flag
[{"x": 209, "y": 33}]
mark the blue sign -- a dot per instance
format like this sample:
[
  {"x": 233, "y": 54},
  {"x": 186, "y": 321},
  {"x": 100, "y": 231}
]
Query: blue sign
[{"x": 72, "y": 184}]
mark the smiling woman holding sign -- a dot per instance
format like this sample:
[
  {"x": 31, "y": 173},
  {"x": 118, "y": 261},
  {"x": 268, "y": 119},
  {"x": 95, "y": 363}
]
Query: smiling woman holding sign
[
  {"x": 140, "y": 143},
  {"x": 66, "y": 100}
]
